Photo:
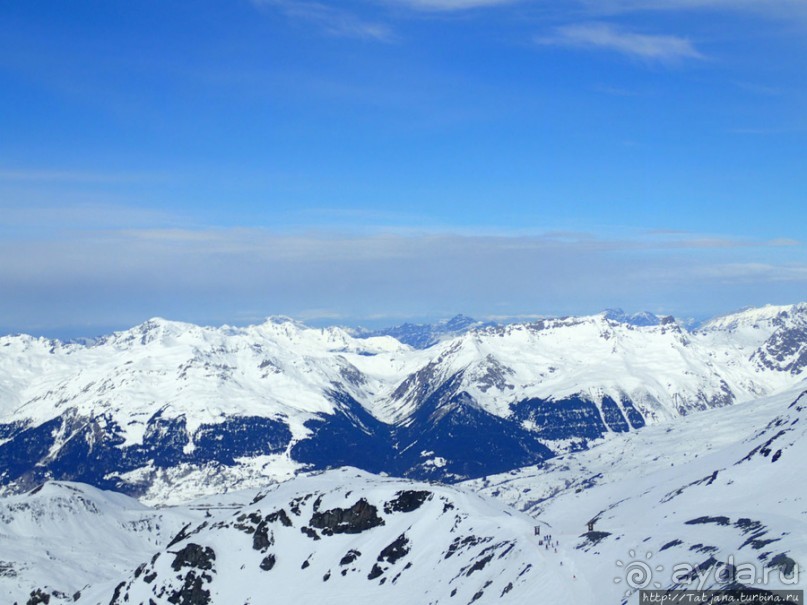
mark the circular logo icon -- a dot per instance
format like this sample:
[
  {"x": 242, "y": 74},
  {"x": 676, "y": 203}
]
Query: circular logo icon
[{"x": 637, "y": 574}]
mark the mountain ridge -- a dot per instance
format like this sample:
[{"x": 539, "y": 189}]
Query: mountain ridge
[
  {"x": 664, "y": 516},
  {"x": 167, "y": 404}
]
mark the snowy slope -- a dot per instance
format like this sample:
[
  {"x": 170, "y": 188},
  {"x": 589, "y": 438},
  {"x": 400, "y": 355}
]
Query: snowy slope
[
  {"x": 64, "y": 536},
  {"x": 677, "y": 502},
  {"x": 773, "y": 337},
  {"x": 278, "y": 368},
  {"x": 717, "y": 487},
  {"x": 349, "y": 537},
  {"x": 169, "y": 411},
  {"x": 663, "y": 369},
  {"x": 166, "y": 400}
]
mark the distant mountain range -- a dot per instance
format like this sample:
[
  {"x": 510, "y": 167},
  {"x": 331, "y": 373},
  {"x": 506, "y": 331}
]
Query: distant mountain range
[
  {"x": 168, "y": 411},
  {"x": 423, "y": 336}
]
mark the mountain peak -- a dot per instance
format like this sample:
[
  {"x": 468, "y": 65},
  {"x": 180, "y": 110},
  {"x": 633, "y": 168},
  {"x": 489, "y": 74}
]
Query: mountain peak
[
  {"x": 423, "y": 336},
  {"x": 458, "y": 322},
  {"x": 767, "y": 316},
  {"x": 641, "y": 318}
]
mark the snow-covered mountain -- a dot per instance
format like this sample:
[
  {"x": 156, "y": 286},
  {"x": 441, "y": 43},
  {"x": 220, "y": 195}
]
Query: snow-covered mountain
[
  {"x": 63, "y": 537},
  {"x": 170, "y": 411},
  {"x": 346, "y": 536},
  {"x": 706, "y": 501},
  {"x": 423, "y": 336},
  {"x": 642, "y": 318}
]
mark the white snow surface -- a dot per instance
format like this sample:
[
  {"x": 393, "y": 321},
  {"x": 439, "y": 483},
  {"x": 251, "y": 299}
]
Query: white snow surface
[
  {"x": 286, "y": 371},
  {"x": 723, "y": 483},
  {"x": 278, "y": 369},
  {"x": 713, "y": 487},
  {"x": 451, "y": 546},
  {"x": 282, "y": 369},
  {"x": 65, "y": 536}
]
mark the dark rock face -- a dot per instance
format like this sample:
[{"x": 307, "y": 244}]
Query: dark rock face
[
  {"x": 784, "y": 563},
  {"x": 192, "y": 592},
  {"x": 375, "y": 572},
  {"x": 394, "y": 551},
  {"x": 194, "y": 566},
  {"x": 592, "y": 538},
  {"x": 578, "y": 418},
  {"x": 706, "y": 519},
  {"x": 262, "y": 538},
  {"x": 38, "y": 598},
  {"x": 785, "y": 350},
  {"x": 703, "y": 548},
  {"x": 279, "y": 515},
  {"x": 464, "y": 543},
  {"x": 702, "y": 567},
  {"x": 407, "y": 501},
  {"x": 194, "y": 556},
  {"x": 349, "y": 557},
  {"x": 356, "y": 519},
  {"x": 479, "y": 564},
  {"x": 7, "y": 569}
]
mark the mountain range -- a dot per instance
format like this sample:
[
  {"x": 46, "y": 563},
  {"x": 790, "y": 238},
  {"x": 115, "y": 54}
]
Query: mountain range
[
  {"x": 168, "y": 411},
  {"x": 707, "y": 501}
]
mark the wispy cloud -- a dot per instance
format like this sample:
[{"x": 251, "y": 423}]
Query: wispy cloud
[
  {"x": 755, "y": 272},
  {"x": 604, "y": 36},
  {"x": 27, "y": 175},
  {"x": 112, "y": 275},
  {"x": 449, "y": 5},
  {"x": 45, "y": 219},
  {"x": 333, "y": 21},
  {"x": 771, "y": 8},
  {"x": 692, "y": 241}
]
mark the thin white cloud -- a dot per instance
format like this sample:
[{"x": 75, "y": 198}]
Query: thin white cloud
[
  {"x": 333, "y": 21},
  {"x": 66, "y": 216},
  {"x": 755, "y": 272},
  {"x": 770, "y": 8},
  {"x": 449, "y": 5},
  {"x": 27, "y": 175},
  {"x": 111, "y": 275},
  {"x": 604, "y": 36}
]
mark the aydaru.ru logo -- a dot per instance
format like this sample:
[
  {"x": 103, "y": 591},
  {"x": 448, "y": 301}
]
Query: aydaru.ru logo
[{"x": 640, "y": 573}]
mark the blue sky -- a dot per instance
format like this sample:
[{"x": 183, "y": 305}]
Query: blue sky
[{"x": 370, "y": 161}]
